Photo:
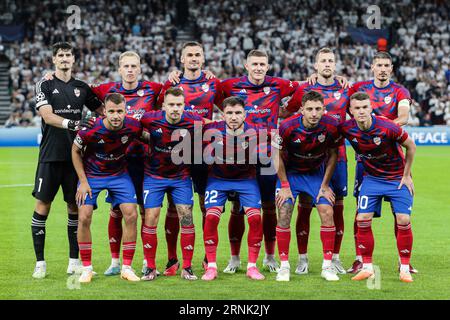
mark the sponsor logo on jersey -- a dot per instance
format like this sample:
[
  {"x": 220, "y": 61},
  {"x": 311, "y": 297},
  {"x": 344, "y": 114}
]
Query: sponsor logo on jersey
[
  {"x": 243, "y": 91},
  {"x": 337, "y": 95},
  {"x": 321, "y": 137},
  {"x": 355, "y": 140},
  {"x": 140, "y": 92},
  {"x": 266, "y": 90},
  {"x": 298, "y": 140},
  {"x": 124, "y": 139},
  {"x": 387, "y": 99},
  {"x": 77, "y": 92},
  {"x": 101, "y": 141},
  {"x": 377, "y": 140},
  {"x": 159, "y": 130},
  {"x": 205, "y": 87},
  {"x": 55, "y": 91}
]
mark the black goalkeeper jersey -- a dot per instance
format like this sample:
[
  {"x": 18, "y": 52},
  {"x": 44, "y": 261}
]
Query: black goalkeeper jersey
[{"x": 67, "y": 100}]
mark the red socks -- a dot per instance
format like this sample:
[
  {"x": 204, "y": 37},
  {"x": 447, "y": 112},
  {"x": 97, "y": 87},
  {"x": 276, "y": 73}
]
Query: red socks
[
  {"x": 283, "y": 240},
  {"x": 129, "y": 249},
  {"x": 269, "y": 223},
  {"x": 355, "y": 235},
  {"x": 236, "y": 229},
  {"x": 327, "y": 235},
  {"x": 338, "y": 216},
  {"x": 115, "y": 232},
  {"x": 172, "y": 228},
  {"x": 150, "y": 243},
  {"x": 85, "y": 253},
  {"x": 210, "y": 234},
  {"x": 404, "y": 242},
  {"x": 302, "y": 227},
  {"x": 366, "y": 241},
  {"x": 187, "y": 241},
  {"x": 255, "y": 233}
]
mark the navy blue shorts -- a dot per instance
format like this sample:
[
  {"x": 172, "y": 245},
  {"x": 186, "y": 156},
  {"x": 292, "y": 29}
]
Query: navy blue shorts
[
  {"x": 373, "y": 189},
  {"x": 218, "y": 190},
  {"x": 120, "y": 189},
  {"x": 306, "y": 183},
  {"x": 156, "y": 188}
]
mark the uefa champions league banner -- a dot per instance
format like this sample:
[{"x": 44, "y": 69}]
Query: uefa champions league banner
[{"x": 31, "y": 137}]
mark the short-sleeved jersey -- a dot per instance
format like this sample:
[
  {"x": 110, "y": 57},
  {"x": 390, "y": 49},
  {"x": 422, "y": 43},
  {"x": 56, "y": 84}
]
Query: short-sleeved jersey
[
  {"x": 306, "y": 149},
  {"x": 159, "y": 163},
  {"x": 262, "y": 102},
  {"x": 104, "y": 149},
  {"x": 67, "y": 100},
  {"x": 384, "y": 101},
  {"x": 336, "y": 101},
  {"x": 378, "y": 147},
  {"x": 139, "y": 100},
  {"x": 233, "y": 156},
  {"x": 200, "y": 95}
]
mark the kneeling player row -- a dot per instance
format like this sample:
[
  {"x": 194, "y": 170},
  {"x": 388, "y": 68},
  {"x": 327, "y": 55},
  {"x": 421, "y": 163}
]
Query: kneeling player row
[{"x": 308, "y": 145}]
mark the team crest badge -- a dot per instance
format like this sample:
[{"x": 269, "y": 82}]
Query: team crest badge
[
  {"x": 77, "y": 92},
  {"x": 124, "y": 139},
  {"x": 140, "y": 93},
  {"x": 337, "y": 95},
  {"x": 183, "y": 132},
  {"x": 266, "y": 90},
  {"x": 377, "y": 140},
  {"x": 321, "y": 137},
  {"x": 244, "y": 145},
  {"x": 387, "y": 99},
  {"x": 205, "y": 87}
]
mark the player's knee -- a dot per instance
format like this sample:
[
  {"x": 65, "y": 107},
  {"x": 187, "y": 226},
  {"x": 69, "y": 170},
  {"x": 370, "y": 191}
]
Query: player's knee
[
  {"x": 43, "y": 208},
  {"x": 116, "y": 213},
  {"x": 84, "y": 219},
  {"x": 72, "y": 208},
  {"x": 402, "y": 219},
  {"x": 364, "y": 216},
  {"x": 326, "y": 215}
]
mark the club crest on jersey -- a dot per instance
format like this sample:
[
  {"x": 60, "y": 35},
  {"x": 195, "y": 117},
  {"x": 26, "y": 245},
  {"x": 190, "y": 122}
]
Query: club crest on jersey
[
  {"x": 377, "y": 140},
  {"x": 337, "y": 95},
  {"x": 77, "y": 92},
  {"x": 387, "y": 99},
  {"x": 140, "y": 93},
  {"x": 266, "y": 90},
  {"x": 124, "y": 139},
  {"x": 321, "y": 137},
  {"x": 205, "y": 87},
  {"x": 244, "y": 145}
]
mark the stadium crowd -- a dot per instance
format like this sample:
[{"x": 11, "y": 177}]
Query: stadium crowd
[{"x": 290, "y": 31}]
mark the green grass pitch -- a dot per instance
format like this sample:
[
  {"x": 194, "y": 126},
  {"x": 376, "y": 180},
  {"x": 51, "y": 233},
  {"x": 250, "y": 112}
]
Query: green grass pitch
[{"x": 431, "y": 221}]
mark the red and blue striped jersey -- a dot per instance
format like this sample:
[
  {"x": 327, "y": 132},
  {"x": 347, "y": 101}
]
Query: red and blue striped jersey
[
  {"x": 378, "y": 147},
  {"x": 159, "y": 163},
  {"x": 233, "y": 156},
  {"x": 262, "y": 102},
  {"x": 306, "y": 149},
  {"x": 384, "y": 101},
  {"x": 139, "y": 100},
  {"x": 200, "y": 95},
  {"x": 104, "y": 150},
  {"x": 336, "y": 101}
]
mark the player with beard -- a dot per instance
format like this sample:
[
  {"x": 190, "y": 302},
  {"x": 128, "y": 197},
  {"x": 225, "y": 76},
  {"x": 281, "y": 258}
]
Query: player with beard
[
  {"x": 388, "y": 99},
  {"x": 336, "y": 100},
  {"x": 201, "y": 93}
]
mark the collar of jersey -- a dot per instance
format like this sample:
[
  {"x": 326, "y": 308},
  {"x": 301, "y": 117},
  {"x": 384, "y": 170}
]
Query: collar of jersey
[
  {"x": 193, "y": 80},
  {"x": 327, "y": 86},
  {"x": 255, "y": 85},
  {"x": 132, "y": 90},
  {"x": 390, "y": 83}
]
